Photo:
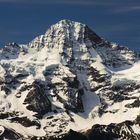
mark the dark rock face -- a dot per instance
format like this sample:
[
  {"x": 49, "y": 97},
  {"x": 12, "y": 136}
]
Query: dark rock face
[
  {"x": 69, "y": 86},
  {"x": 118, "y": 94},
  {"x": 10, "y": 135},
  {"x": 137, "y": 120},
  {"x": 37, "y": 99},
  {"x": 136, "y": 103},
  {"x": 89, "y": 34},
  {"x": 6, "y": 89},
  {"x": 11, "y": 49},
  {"x": 25, "y": 121},
  {"x": 115, "y": 56},
  {"x": 104, "y": 132},
  {"x": 72, "y": 135},
  {"x": 97, "y": 77},
  {"x": 112, "y": 131},
  {"x": 74, "y": 103}
]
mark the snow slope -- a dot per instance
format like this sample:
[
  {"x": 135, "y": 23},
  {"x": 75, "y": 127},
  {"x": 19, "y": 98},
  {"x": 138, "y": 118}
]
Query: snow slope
[{"x": 68, "y": 78}]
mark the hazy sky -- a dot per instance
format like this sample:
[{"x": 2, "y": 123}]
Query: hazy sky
[{"x": 115, "y": 20}]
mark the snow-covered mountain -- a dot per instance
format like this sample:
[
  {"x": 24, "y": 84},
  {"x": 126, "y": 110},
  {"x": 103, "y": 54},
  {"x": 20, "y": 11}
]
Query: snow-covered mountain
[{"x": 69, "y": 83}]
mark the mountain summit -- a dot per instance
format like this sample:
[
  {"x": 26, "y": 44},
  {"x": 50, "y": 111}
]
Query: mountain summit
[
  {"x": 66, "y": 31},
  {"x": 69, "y": 82}
]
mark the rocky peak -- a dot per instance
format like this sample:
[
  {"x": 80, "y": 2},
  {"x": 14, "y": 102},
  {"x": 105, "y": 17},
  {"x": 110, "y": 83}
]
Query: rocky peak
[
  {"x": 66, "y": 32},
  {"x": 11, "y": 47}
]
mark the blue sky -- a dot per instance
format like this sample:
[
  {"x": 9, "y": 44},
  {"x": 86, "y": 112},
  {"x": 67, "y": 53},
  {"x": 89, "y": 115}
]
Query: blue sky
[{"x": 115, "y": 20}]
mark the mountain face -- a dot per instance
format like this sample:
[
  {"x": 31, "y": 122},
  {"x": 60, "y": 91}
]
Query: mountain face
[{"x": 69, "y": 84}]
